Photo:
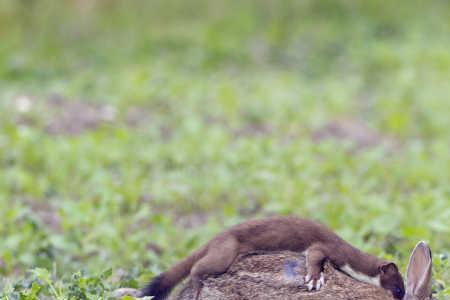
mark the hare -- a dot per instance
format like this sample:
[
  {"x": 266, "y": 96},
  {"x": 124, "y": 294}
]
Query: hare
[{"x": 280, "y": 275}]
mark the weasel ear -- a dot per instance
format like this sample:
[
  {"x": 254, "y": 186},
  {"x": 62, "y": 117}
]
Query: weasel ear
[
  {"x": 418, "y": 275},
  {"x": 388, "y": 267}
]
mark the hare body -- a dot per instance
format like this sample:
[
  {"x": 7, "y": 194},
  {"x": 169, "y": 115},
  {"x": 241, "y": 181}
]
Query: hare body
[{"x": 280, "y": 276}]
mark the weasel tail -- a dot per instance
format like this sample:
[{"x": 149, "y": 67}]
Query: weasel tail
[{"x": 162, "y": 284}]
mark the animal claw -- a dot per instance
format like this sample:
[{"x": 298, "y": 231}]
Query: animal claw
[
  {"x": 321, "y": 282},
  {"x": 310, "y": 285},
  {"x": 307, "y": 278},
  {"x": 314, "y": 284}
]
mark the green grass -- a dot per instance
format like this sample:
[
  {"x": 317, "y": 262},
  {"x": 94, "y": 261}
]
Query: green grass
[{"x": 224, "y": 98}]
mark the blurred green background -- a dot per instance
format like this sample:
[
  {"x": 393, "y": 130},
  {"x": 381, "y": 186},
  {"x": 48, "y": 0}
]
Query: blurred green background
[{"x": 133, "y": 131}]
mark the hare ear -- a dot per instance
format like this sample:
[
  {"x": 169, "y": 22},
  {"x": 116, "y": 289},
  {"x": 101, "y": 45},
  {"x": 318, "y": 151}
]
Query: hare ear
[{"x": 418, "y": 280}]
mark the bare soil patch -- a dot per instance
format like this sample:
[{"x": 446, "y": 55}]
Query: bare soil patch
[
  {"x": 73, "y": 117},
  {"x": 353, "y": 131},
  {"x": 46, "y": 212},
  {"x": 138, "y": 116}
]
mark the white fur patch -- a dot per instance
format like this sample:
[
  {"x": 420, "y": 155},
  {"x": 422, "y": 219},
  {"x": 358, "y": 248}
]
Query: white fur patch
[
  {"x": 310, "y": 285},
  {"x": 361, "y": 276}
]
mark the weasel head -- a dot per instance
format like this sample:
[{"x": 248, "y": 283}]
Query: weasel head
[{"x": 392, "y": 280}]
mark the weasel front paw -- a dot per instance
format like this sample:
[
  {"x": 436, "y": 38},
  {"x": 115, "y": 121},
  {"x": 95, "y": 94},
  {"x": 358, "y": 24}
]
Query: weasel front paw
[{"x": 314, "y": 282}]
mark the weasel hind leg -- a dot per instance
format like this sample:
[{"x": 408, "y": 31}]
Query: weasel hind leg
[
  {"x": 221, "y": 254},
  {"x": 314, "y": 261}
]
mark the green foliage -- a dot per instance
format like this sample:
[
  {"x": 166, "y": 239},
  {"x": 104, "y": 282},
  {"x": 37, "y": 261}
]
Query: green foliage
[
  {"x": 43, "y": 285},
  {"x": 194, "y": 115}
]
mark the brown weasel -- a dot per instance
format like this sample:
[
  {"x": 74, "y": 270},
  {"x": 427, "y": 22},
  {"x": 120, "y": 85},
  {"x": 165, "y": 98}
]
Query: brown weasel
[{"x": 279, "y": 233}]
